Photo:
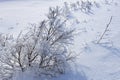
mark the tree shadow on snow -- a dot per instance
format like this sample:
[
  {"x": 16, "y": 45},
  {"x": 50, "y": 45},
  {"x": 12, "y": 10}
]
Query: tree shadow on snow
[{"x": 72, "y": 76}]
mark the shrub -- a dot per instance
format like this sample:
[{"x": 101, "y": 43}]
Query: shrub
[{"x": 43, "y": 48}]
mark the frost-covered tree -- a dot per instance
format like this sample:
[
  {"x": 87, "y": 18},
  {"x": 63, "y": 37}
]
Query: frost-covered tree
[{"x": 42, "y": 49}]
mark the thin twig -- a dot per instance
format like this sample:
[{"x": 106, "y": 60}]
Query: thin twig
[{"x": 105, "y": 30}]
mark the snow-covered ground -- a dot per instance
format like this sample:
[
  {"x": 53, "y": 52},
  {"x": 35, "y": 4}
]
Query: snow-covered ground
[{"x": 95, "y": 61}]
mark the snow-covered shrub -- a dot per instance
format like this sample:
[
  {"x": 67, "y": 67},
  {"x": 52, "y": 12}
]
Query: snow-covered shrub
[
  {"x": 42, "y": 49},
  {"x": 84, "y": 6},
  {"x": 6, "y": 64}
]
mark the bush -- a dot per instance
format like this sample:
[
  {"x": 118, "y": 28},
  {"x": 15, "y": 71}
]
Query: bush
[{"x": 43, "y": 48}]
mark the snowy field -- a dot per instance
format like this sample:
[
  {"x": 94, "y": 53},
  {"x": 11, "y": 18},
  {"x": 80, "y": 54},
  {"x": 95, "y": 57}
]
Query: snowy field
[{"x": 94, "y": 61}]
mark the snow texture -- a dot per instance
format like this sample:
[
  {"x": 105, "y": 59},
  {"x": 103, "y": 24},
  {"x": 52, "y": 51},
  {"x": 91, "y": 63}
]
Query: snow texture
[{"x": 94, "y": 61}]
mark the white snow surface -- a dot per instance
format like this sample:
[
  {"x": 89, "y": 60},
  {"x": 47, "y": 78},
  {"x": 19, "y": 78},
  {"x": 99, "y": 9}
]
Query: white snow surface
[{"x": 95, "y": 61}]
